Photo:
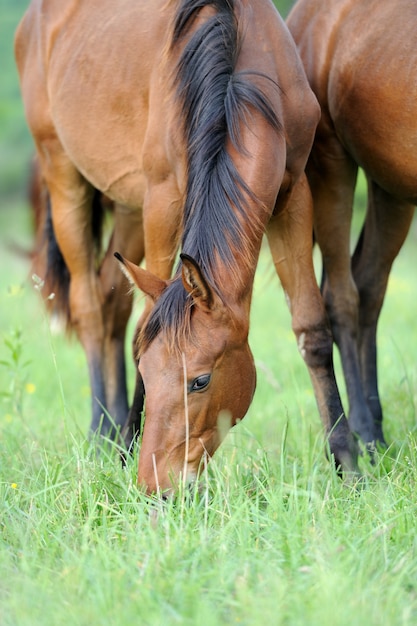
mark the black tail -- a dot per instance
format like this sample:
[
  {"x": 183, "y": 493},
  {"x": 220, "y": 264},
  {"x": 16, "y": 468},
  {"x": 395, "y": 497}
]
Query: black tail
[
  {"x": 57, "y": 277},
  {"x": 49, "y": 266}
]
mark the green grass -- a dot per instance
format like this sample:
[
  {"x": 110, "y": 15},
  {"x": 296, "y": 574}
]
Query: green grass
[{"x": 272, "y": 537}]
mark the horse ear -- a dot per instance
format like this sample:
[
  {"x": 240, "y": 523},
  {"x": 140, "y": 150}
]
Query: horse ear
[
  {"x": 147, "y": 282},
  {"x": 195, "y": 283}
]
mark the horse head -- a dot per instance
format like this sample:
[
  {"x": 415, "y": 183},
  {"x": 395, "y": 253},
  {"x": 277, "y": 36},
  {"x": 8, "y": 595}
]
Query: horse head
[{"x": 196, "y": 386}]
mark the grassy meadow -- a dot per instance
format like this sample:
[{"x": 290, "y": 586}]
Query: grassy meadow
[{"x": 272, "y": 536}]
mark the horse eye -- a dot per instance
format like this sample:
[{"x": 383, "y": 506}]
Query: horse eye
[{"x": 200, "y": 383}]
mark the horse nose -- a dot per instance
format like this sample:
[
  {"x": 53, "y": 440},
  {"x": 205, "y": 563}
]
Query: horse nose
[{"x": 165, "y": 482}]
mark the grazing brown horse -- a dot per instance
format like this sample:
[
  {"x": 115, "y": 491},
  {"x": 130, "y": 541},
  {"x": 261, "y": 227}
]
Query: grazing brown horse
[
  {"x": 361, "y": 61},
  {"x": 196, "y": 119}
]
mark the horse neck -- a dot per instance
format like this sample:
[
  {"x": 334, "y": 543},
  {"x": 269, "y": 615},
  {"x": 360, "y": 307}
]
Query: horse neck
[
  {"x": 233, "y": 278},
  {"x": 262, "y": 174},
  {"x": 229, "y": 254},
  {"x": 230, "y": 124}
]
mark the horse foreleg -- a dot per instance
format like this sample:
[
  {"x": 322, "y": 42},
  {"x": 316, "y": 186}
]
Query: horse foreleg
[
  {"x": 290, "y": 239},
  {"x": 161, "y": 230},
  {"x": 385, "y": 229}
]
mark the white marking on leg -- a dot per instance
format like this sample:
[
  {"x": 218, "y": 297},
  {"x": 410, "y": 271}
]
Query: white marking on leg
[{"x": 301, "y": 344}]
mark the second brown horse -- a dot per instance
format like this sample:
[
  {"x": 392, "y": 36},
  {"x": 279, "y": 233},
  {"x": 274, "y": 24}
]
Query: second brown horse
[{"x": 361, "y": 61}]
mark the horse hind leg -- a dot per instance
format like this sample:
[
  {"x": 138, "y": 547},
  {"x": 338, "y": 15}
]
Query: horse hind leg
[
  {"x": 386, "y": 226},
  {"x": 332, "y": 177},
  {"x": 71, "y": 199}
]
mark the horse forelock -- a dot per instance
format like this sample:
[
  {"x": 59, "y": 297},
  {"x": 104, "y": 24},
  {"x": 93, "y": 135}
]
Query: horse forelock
[
  {"x": 172, "y": 316},
  {"x": 214, "y": 101},
  {"x": 167, "y": 314}
]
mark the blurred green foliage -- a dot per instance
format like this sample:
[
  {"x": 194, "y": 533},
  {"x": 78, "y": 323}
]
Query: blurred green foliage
[{"x": 15, "y": 140}]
